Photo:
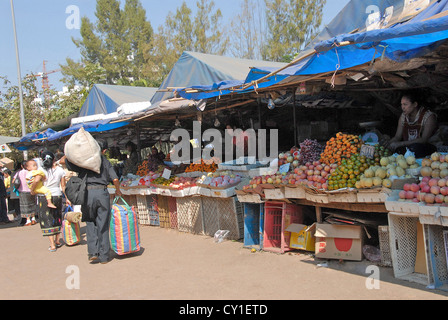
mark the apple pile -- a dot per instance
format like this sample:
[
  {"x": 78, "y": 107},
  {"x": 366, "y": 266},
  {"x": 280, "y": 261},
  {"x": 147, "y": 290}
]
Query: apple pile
[
  {"x": 313, "y": 174},
  {"x": 181, "y": 183},
  {"x": 291, "y": 156},
  {"x": 436, "y": 166},
  {"x": 429, "y": 191}
]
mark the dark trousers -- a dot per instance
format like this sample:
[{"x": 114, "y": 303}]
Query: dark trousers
[
  {"x": 3, "y": 210},
  {"x": 98, "y": 206}
]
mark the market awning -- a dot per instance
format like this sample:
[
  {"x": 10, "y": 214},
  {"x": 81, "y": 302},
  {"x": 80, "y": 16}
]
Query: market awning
[
  {"x": 8, "y": 140},
  {"x": 96, "y": 126},
  {"x": 418, "y": 29}
]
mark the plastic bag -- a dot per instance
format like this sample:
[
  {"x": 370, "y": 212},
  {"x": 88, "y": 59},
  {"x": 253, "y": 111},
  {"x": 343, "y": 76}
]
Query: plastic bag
[
  {"x": 220, "y": 235},
  {"x": 371, "y": 253}
]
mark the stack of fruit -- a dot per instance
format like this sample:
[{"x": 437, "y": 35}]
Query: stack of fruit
[
  {"x": 348, "y": 173},
  {"x": 343, "y": 146},
  {"x": 310, "y": 151},
  {"x": 161, "y": 181},
  {"x": 436, "y": 166},
  {"x": 430, "y": 191},
  {"x": 181, "y": 183},
  {"x": 389, "y": 169}
]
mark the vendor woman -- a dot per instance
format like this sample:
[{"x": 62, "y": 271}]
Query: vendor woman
[{"x": 417, "y": 125}]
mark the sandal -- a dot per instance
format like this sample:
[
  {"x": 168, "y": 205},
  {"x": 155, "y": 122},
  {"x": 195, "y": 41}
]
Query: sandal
[
  {"x": 52, "y": 250},
  {"x": 58, "y": 245}
]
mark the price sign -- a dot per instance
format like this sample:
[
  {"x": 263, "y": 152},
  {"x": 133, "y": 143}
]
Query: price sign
[
  {"x": 367, "y": 151},
  {"x": 166, "y": 174}
]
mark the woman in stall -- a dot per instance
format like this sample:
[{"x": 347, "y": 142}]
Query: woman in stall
[{"x": 417, "y": 125}]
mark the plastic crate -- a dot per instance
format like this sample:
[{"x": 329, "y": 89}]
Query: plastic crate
[
  {"x": 189, "y": 215},
  {"x": 153, "y": 210},
  {"x": 172, "y": 207},
  {"x": 223, "y": 214},
  {"x": 210, "y": 216},
  {"x": 436, "y": 242},
  {"x": 253, "y": 225},
  {"x": 143, "y": 211},
  {"x": 403, "y": 247},
  {"x": 164, "y": 212},
  {"x": 383, "y": 236},
  {"x": 278, "y": 217}
]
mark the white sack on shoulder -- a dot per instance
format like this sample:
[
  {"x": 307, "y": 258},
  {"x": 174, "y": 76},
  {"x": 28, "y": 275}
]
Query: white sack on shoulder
[{"x": 84, "y": 151}]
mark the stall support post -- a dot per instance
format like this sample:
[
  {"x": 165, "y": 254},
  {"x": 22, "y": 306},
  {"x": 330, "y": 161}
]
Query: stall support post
[
  {"x": 259, "y": 114},
  {"x": 139, "y": 145},
  {"x": 294, "y": 118},
  {"x": 319, "y": 214}
]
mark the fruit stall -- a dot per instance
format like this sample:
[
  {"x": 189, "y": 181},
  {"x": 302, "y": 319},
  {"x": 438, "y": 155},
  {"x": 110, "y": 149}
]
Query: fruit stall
[{"x": 313, "y": 198}]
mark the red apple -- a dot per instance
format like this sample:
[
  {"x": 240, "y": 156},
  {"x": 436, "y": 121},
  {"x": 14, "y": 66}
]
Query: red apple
[
  {"x": 433, "y": 182},
  {"x": 444, "y": 191},
  {"x": 415, "y": 187},
  {"x": 439, "y": 199},
  {"x": 402, "y": 194},
  {"x": 430, "y": 198},
  {"x": 407, "y": 187},
  {"x": 435, "y": 190},
  {"x": 421, "y": 196},
  {"x": 410, "y": 195},
  {"x": 442, "y": 183},
  {"x": 426, "y": 188}
]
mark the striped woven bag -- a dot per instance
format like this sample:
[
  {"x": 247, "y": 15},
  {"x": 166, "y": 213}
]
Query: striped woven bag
[
  {"x": 71, "y": 232},
  {"x": 124, "y": 230}
]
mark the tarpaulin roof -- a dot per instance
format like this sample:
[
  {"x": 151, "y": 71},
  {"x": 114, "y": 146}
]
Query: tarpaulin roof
[
  {"x": 401, "y": 41},
  {"x": 396, "y": 29},
  {"x": 208, "y": 72},
  {"x": 6, "y": 140},
  {"x": 96, "y": 126},
  {"x": 106, "y": 99}
]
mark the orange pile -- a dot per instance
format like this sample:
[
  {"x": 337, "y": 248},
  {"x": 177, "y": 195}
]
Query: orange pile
[
  {"x": 343, "y": 146},
  {"x": 202, "y": 167},
  {"x": 142, "y": 169}
]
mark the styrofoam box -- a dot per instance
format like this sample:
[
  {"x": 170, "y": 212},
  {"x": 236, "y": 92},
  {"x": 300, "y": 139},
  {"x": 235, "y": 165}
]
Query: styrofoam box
[
  {"x": 430, "y": 215},
  {"x": 206, "y": 192},
  {"x": 393, "y": 204},
  {"x": 249, "y": 198},
  {"x": 374, "y": 196},
  {"x": 164, "y": 192},
  {"x": 274, "y": 194},
  {"x": 295, "y": 193},
  {"x": 222, "y": 193}
]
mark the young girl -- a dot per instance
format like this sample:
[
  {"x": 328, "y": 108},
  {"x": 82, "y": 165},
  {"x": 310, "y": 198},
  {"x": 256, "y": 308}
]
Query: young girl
[{"x": 33, "y": 172}]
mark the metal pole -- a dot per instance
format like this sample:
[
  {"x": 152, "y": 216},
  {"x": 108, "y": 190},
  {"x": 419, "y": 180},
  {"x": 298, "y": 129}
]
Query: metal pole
[{"x": 19, "y": 76}]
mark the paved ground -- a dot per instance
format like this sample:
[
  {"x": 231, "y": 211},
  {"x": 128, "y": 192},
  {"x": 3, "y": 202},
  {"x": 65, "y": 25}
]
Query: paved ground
[{"x": 180, "y": 266}]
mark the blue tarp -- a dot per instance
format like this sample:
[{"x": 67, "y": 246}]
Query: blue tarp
[
  {"x": 97, "y": 126},
  {"x": 106, "y": 99},
  {"x": 406, "y": 33},
  {"x": 207, "y": 72}
]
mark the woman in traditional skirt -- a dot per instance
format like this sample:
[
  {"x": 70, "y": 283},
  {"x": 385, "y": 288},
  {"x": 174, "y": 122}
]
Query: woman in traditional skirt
[
  {"x": 51, "y": 219},
  {"x": 26, "y": 199}
]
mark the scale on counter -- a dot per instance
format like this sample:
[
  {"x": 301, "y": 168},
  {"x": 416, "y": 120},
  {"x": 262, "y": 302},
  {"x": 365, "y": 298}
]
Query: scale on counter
[{"x": 372, "y": 135}]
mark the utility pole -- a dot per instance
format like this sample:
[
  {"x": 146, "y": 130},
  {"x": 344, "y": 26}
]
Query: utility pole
[{"x": 19, "y": 76}]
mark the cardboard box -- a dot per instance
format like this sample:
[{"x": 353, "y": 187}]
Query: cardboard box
[
  {"x": 342, "y": 242},
  {"x": 302, "y": 237},
  {"x": 7, "y": 163}
]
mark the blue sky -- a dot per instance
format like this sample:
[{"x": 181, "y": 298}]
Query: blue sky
[{"x": 43, "y": 35}]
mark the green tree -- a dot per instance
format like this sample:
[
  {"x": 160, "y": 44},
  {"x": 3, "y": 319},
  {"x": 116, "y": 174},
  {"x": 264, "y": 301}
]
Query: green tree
[
  {"x": 181, "y": 32},
  {"x": 291, "y": 25},
  {"x": 113, "y": 47}
]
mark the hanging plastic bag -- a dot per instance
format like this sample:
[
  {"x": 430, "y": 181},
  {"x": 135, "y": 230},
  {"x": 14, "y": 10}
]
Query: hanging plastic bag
[{"x": 220, "y": 235}]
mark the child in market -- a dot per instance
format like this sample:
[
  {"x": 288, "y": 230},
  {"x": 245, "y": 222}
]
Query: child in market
[{"x": 33, "y": 172}]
